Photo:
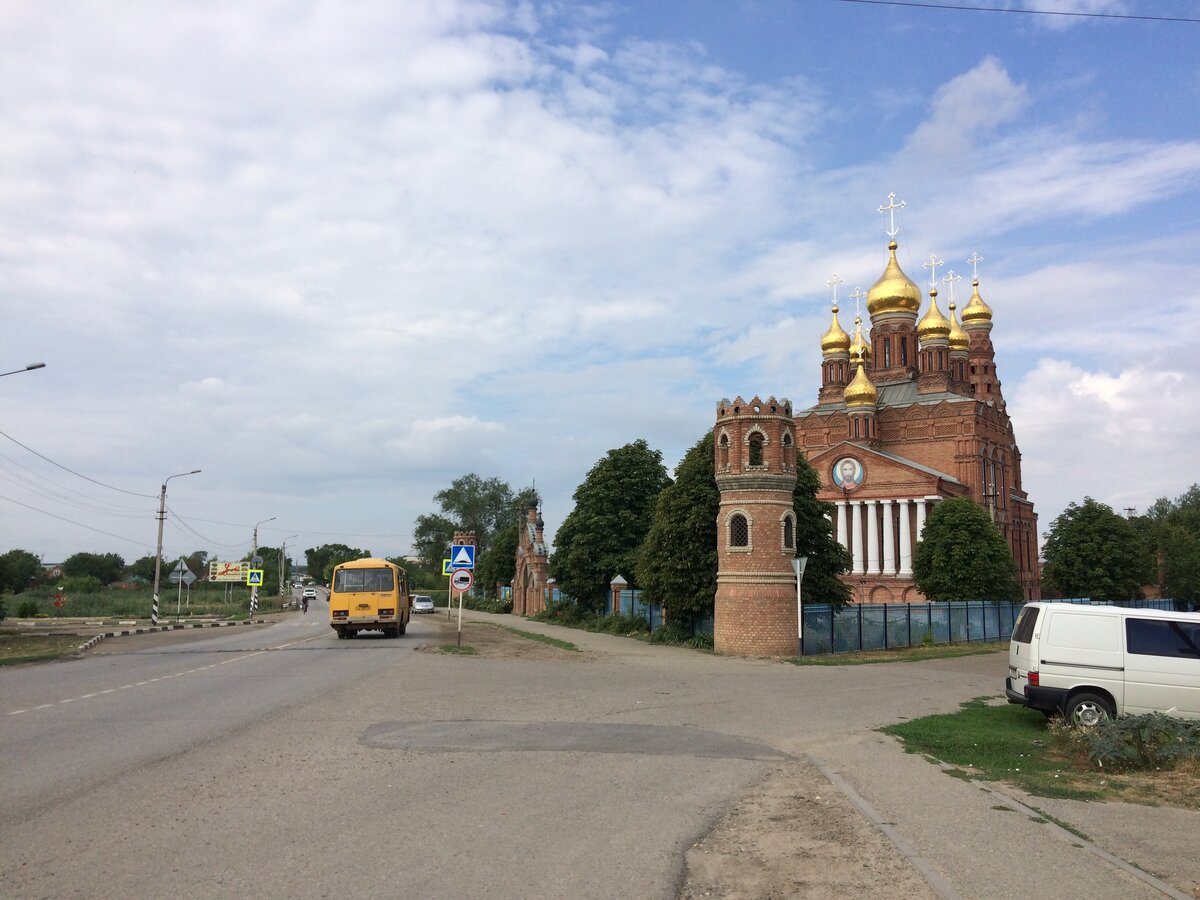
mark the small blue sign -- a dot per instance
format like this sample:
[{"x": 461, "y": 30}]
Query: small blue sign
[{"x": 462, "y": 557}]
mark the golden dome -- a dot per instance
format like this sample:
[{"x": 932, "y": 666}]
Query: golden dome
[
  {"x": 893, "y": 292},
  {"x": 976, "y": 312},
  {"x": 959, "y": 339},
  {"x": 860, "y": 348},
  {"x": 835, "y": 340},
  {"x": 933, "y": 325},
  {"x": 860, "y": 392}
]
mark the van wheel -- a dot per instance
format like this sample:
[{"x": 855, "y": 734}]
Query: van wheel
[{"x": 1087, "y": 710}]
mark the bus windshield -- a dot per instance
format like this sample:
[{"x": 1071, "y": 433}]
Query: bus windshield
[{"x": 352, "y": 580}]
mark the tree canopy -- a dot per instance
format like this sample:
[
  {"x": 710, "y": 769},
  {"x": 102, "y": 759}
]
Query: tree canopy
[
  {"x": 600, "y": 537},
  {"x": 321, "y": 560},
  {"x": 104, "y": 567},
  {"x": 963, "y": 556},
  {"x": 827, "y": 559},
  {"x": 498, "y": 564},
  {"x": 19, "y": 571},
  {"x": 1091, "y": 551},
  {"x": 1171, "y": 533}
]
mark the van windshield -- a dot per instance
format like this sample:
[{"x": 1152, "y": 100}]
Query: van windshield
[{"x": 1023, "y": 630}]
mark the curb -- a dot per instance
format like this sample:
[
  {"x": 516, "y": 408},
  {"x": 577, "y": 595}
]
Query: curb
[{"x": 150, "y": 629}]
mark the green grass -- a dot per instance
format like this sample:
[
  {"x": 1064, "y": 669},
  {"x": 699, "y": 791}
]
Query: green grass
[
  {"x": 1006, "y": 742},
  {"x": 20, "y": 648},
  {"x": 900, "y": 654},
  {"x": 544, "y": 638},
  {"x": 464, "y": 650}
]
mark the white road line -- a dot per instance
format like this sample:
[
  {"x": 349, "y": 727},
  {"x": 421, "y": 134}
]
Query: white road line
[{"x": 16, "y": 712}]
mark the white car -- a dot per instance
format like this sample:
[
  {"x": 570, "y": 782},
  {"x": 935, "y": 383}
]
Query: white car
[
  {"x": 310, "y": 593},
  {"x": 422, "y": 603}
]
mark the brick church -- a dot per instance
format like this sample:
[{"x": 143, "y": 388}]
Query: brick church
[{"x": 907, "y": 414}]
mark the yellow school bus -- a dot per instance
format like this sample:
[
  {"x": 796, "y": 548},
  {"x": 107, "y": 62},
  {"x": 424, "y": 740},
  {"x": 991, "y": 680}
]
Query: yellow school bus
[{"x": 369, "y": 595}]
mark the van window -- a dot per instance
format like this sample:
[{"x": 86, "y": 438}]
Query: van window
[
  {"x": 1023, "y": 630},
  {"x": 1161, "y": 637}
]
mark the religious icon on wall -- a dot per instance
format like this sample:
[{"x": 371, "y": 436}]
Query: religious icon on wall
[{"x": 847, "y": 473}]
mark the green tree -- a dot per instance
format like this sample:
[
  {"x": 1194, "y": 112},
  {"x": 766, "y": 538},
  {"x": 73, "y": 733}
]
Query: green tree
[
  {"x": 1170, "y": 531},
  {"x": 827, "y": 559},
  {"x": 1090, "y": 551},
  {"x": 600, "y": 537},
  {"x": 677, "y": 562},
  {"x": 105, "y": 567},
  {"x": 431, "y": 541},
  {"x": 963, "y": 556},
  {"x": 21, "y": 571},
  {"x": 321, "y": 560},
  {"x": 498, "y": 564},
  {"x": 143, "y": 567}
]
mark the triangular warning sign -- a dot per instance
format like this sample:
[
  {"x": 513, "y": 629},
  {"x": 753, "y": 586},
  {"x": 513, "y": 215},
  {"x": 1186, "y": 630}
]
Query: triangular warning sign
[{"x": 463, "y": 556}]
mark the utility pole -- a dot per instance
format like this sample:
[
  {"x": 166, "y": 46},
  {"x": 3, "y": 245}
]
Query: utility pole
[
  {"x": 253, "y": 557},
  {"x": 162, "y": 514}
]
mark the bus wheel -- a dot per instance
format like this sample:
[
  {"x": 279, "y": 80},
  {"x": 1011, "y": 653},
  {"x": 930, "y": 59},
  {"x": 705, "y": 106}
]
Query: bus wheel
[{"x": 400, "y": 629}]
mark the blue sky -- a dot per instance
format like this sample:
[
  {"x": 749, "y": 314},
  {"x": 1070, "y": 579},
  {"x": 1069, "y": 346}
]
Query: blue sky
[{"x": 336, "y": 255}]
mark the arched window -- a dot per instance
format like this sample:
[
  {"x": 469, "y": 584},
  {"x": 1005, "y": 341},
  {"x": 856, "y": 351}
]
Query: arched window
[
  {"x": 723, "y": 446},
  {"x": 739, "y": 531},
  {"x": 789, "y": 533},
  {"x": 904, "y": 351},
  {"x": 756, "y": 449}
]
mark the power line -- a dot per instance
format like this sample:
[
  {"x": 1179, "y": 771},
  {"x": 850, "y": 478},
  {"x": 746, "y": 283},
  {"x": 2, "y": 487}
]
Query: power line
[
  {"x": 119, "y": 537},
  {"x": 1028, "y": 12},
  {"x": 73, "y": 472}
]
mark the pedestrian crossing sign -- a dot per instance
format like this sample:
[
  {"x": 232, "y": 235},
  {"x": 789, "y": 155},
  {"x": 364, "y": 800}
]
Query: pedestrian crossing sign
[
  {"x": 254, "y": 577},
  {"x": 446, "y": 571},
  {"x": 462, "y": 557}
]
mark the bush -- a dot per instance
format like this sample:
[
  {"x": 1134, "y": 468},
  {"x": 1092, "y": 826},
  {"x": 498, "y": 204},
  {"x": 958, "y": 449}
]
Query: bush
[
  {"x": 1135, "y": 743},
  {"x": 28, "y": 609}
]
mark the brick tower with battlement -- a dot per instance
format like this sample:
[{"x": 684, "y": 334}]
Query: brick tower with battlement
[{"x": 755, "y": 467}]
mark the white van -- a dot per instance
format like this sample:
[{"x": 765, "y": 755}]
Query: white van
[{"x": 1098, "y": 662}]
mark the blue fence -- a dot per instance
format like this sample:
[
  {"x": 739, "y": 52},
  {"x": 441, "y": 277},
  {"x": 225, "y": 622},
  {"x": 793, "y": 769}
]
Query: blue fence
[
  {"x": 632, "y": 605},
  {"x": 885, "y": 626}
]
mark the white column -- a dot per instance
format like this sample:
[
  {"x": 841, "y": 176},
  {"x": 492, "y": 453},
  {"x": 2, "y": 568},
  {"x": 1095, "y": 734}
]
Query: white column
[
  {"x": 920, "y": 517},
  {"x": 856, "y": 523},
  {"x": 872, "y": 537},
  {"x": 889, "y": 538},
  {"x": 843, "y": 532},
  {"x": 905, "y": 540}
]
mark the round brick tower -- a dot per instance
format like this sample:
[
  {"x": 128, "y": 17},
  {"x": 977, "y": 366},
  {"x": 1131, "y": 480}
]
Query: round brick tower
[{"x": 755, "y": 460}]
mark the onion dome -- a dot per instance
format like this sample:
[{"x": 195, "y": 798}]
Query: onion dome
[
  {"x": 835, "y": 340},
  {"x": 860, "y": 392},
  {"x": 894, "y": 292},
  {"x": 933, "y": 325},
  {"x": 860, "y": 348},
  {"x": 976, "y": 312},
  {"x": 959, "y": 339}
]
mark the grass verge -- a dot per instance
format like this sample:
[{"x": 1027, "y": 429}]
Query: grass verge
[
  {"x": 26, "y": 648},
  {"x": 1021, "y": 747},
  {"x": 544, "y": 638},
  {"x": 464, "y": 650},
  {"x": 900, "y": 654}
]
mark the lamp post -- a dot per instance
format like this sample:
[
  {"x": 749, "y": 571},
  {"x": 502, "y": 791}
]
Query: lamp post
[
  {"x": 253, "y": 557},
  {"x": 162, "y": 514},
  {"x": 798, "y": 565},
  {"x": 27, "y": 368},
  {"x": 283, "y": 562}
]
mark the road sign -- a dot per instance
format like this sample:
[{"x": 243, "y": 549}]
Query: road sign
[
  {"x": 462, "y": 557},
  {"x": 446, "y": 570},
  {"x": 461, "y": 580},
  {"x": 227, "y": 571},
  {"x": 189, "y": 579},
  {"x": 181, "y": 567},
  {"x": 254, "y": 577}
]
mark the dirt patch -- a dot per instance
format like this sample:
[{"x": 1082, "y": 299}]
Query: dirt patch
[
  {"x": 796, "y": 835},
  {"x": 493, "y": 642}
]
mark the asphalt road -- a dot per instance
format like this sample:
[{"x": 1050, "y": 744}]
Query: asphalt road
[{"x": 280, "y": 761}]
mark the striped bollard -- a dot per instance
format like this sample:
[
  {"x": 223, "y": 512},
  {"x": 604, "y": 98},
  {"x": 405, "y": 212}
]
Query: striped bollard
[{"x": 154, "y": 611}]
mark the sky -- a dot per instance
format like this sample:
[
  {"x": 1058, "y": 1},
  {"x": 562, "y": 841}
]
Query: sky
[{"x": 336, "y": 255}]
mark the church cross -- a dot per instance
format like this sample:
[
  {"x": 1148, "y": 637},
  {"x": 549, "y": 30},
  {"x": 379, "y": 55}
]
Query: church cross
[
  {"x": 932, "y": 266},
  {"x": 975, "y": 260},
  {"x": 857, "y": 295},
  {"x": 890, "y": 209},
  {"x": 949, "y": 278},
  {"x": 833, "y": 283}
]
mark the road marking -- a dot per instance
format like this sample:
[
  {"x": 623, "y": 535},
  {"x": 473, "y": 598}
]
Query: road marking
[{"x": 16, "y": 712}]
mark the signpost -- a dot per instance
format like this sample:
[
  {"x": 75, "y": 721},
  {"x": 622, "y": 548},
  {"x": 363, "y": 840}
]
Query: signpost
[
  {"x": 446, "y": 573},
  {"x": 461, "y": 582},
  {"x": 179, "y": 575}
]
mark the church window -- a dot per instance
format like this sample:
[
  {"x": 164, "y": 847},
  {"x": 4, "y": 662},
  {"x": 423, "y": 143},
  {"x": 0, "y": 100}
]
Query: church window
[
  {"x": 739, "y": 531},
  {"x": 887, "y": 353},
  {"x": 723, "y": 444},
  {"x": 904, "y": 351},
  {"x": 972, "y": 370},
  {"x": 789, "y": 533},
  {"x": 756, "y": 449},
  {"x": 989, "y": 388},
  {"x": 941, "y": 356},
  {"x": 856, "y": 426}
]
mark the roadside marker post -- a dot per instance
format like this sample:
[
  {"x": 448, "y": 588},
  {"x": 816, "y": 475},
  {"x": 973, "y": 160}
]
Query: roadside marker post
[
  {"x": 461, "y": 581},
  {"x": 446, "y": 573}
]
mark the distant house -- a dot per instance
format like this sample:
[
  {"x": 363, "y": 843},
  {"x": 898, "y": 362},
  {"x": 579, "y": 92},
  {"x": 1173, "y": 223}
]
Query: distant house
[{"x": 52, "y": 570}]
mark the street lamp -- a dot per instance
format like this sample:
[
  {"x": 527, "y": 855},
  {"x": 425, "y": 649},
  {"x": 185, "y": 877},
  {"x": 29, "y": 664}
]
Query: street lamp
[
  {"x": 253, "y": 557},
  {"x": 162, "y": 514},
  {"x": 27, "y": 368},
  {"x": 798, "y": 565}
]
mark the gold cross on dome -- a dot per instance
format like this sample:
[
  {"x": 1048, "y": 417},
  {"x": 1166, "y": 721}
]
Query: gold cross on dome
[
  {"x": 949, "y": 278},
  {"x": 932, "y": 266},
  {"x": 975, "y": 260},
  {"x": 857, "y": 295},
  {"x": 833, "y": 283},
  {"x": 890, "y": 209}
]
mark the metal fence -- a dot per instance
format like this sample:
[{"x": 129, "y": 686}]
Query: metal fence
[
  {"x": 632, "y": 605},
  {"x": 885, "y": 626}
]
